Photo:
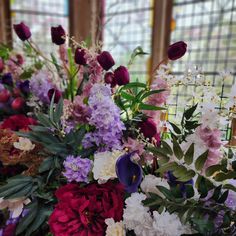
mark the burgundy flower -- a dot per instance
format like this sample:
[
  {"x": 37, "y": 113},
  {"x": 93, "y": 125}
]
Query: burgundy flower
[
  {"x": 24, "y": 87},
  {"x": 105, "y": 60},
  {"x": 17, "y": 122},
  {"x": 22, "y": 31},
  {"x": 83, "y": 210},
  {"x": 110, "y": 79},
  {"x": 1, "y": 65},
  {"x": 80, "y": 56},
  {"x": 148, "y": 128},
  {"x": 4, "y": 95},
  {"x": 121, "y": 75},
  {"x": 9, "y": 230},
  {"x": 177, "y": 50},
  {"x": 57, "y": 95},
  {"x": 58, "y": 35},
  {"x": 18, "y": 103},
  {"x": 20, "y": 59}
]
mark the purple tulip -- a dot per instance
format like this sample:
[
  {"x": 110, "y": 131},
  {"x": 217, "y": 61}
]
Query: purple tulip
[
  {"x": 58, "y": 35},
  {"x": 177, "y": 50},
  {"x": 80, "y": 56},
  {"x": 22, "y": 31},
  {"x": 57, "y": 95},
  {"x": 121, "y": 75},
  {"x": 105, "y": 60},
  {"x": 24, "y": 87},
  {"x": 129, "y": 173},
  {"x": 7, "y": 79}
]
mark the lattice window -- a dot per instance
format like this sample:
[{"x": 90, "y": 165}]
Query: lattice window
[
  {"x": 40, "y": 15},
  {"x": 209, "y": 29},
  {"x": 128, "y": 24}
]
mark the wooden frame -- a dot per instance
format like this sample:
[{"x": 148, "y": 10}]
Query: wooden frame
[
  {"x": 5, "y": 23},
  {"x": 85, "y": 20},
  {"x": 162, "y": 16}
]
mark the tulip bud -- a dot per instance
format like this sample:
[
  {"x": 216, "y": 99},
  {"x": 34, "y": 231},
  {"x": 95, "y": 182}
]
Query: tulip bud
[
  {"x": 20, "y": 59},
  {"x": 57, "y": 95},
  {"x": 58, "y": 35},
  {"x": 1, "y": 65},
  {"x": 16, "y": 92},
  {"x": 4, "y": 95},
  {"x": 24, "y": 87},
  {"x": 22, "y": 31},
  {"x": 177, "y": 50},
  {"x": 80, "y": 56},
  {"x": 121, "y": 75},
  {"x": 148, "y": 128},
  {"x": 110, "y": 79},
  {"x": 105, "y": 60},
  {"x": 17, "y": 103},
  {"x": 7, "y": 79}
]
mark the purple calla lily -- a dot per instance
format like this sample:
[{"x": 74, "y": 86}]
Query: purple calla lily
[{"x": 128, "y": 172}]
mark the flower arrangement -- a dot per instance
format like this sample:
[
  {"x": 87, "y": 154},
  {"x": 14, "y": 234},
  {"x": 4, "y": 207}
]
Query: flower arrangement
[{"x": 85, "y": 151}]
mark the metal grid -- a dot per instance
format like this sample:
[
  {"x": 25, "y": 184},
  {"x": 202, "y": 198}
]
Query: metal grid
[
  {"x": 40, "y": 15},
  {"x": 209, "y": 29},
  {"x": 128, "y": 24}
]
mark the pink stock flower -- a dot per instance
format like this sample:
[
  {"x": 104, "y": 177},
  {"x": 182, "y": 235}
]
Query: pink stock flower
[{"x": 134, "y": 145}]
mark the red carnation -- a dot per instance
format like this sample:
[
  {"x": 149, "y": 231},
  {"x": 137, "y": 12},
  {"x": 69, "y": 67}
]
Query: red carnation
[
  {"x": 18, "y": 122},
  {"x": 82, "y": 211}
]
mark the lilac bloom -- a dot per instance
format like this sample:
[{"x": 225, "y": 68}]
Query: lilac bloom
[{"x": 129, "y": 172}]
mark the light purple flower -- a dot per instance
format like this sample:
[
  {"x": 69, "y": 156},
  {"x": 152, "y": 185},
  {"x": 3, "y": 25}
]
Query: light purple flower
[
  {"x": 105, "y": 116},
  {"x": 77, "y": 169},
  {"x": 40, "y": 84}
]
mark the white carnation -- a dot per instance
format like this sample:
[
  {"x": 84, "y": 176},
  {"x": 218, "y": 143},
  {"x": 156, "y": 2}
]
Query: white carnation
[
  {"x": 114, "y": 228},
  {"x": 167, "y": 224},
  {"x": 105, "y": 165},
  {"x": 150, "y": 182},
  {"x": 137, "y": 217}
]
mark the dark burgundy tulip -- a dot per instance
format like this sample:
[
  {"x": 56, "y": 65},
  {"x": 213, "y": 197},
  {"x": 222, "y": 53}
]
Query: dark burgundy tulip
[
  {"x": 177, "y": 50},
  {"x": 128, "y": 172},
  {"x": 1, "y": 65},
  {"x": 121, "y": 75},
  {"x": 57, "y": 95},
  {"x": 7, "y": 79},
  {"x": 9, "y": 230},
  {"x": 22, "y": 31},
  {"x": 58, "y": 35},
  {"x": 24, "y": 87},
  {"x": 80, "y": 56},
  {"x": 110, "y": 79},
  {"x": 4, "y": 95},
  {"x": 17, "y": 103},
  {"x": 148, "y": 128},
  {"x": 105, "y": 60},
  {"x": 20, "y": 59}
]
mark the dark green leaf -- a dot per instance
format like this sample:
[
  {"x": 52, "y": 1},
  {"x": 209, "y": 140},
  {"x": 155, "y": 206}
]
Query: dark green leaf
[
  {"x": 188, "y": 113},
  {"x": 134, "y": 85},
  {"x": 149, "y": 93},
  {"x": 199, "y": 163},
  {"x": 211, "y": 170},
  {"x": 143, "y": 106},
  {"x": 224, "y": 176},
  {"x": 46, "y": 165},
  {"x": 223, "y": 197},
  {"x": 188, "y": 156},
  {"x": 166, "y": 147},
  {"x": 175, "y": 128},
  {"x": 177, "y": 149}
]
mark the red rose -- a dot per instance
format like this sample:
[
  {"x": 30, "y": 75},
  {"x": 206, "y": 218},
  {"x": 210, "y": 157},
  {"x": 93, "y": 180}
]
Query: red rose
[
  {"x": 82, "y": 211},
  {"x": 18, "y": 122}
]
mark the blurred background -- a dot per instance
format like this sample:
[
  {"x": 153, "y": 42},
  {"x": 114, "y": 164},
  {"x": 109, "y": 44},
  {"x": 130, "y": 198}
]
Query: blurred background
[{"x": 207, "y": 26}]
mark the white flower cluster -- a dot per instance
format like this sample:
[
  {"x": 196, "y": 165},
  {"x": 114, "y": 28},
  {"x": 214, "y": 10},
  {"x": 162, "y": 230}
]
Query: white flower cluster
[{"x": 137, "y": 217}]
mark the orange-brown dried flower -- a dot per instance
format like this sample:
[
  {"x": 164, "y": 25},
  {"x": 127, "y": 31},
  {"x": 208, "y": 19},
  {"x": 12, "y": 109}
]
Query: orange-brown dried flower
[{"x": 9, "y": 155}]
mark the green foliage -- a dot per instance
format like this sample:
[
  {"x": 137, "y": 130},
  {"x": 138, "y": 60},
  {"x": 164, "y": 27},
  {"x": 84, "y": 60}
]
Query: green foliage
[{"x": 4, "y": 52}]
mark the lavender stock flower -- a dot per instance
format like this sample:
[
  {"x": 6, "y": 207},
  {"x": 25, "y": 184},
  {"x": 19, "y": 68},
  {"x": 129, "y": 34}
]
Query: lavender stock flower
[
  {"x": 77, "y": 169},
  {"x": 105, "y": 116}
]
